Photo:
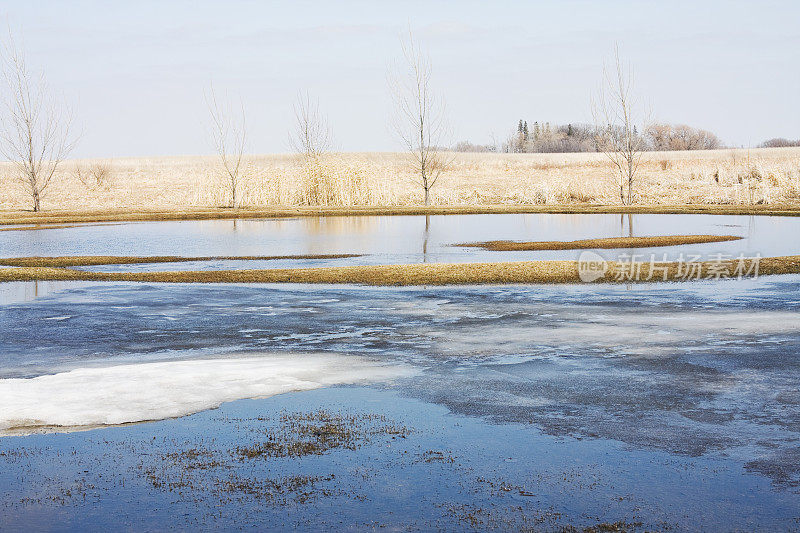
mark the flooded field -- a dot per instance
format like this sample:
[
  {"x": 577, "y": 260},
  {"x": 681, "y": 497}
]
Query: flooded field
[
  {"x": 393, "y": 239},
  {"x": 474, "y": 407}
]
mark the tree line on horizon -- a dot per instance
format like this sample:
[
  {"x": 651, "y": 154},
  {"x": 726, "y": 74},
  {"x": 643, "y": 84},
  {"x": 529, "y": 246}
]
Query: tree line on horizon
[
  {"x": 779, "y": 142},
  {"x": 580, "y": 137},
  {"x": 544, "y": 138}
]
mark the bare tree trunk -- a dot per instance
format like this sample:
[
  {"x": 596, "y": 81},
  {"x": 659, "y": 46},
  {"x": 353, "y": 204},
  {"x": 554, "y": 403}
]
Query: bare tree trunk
[
  {"x": 630, "y": 189},
  {"x": 426, "y": 188}
]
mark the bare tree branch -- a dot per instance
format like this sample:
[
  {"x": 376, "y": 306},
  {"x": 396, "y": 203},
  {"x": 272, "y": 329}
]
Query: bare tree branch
[
  {"x": 419, "y": 121},
  {"x": 312, "y": 136},
  {"x": 229, "y": 137},
  {"x": 34, "y": 125},
  {"x": 615, "y": 116}
]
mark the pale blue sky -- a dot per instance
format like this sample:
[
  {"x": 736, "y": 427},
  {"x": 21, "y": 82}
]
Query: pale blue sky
[{"x": 135, "y": 71}]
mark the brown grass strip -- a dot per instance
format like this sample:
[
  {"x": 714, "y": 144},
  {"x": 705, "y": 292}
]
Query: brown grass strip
[
  {"x": 41, "y": 226},
  {"x": 94, "y": 260},
  {"x": 604, "y": 243},
  {"x": 57, "y": 226},
  {"x": 127, "y": 215},
  {"x": 525, "y": 272}
]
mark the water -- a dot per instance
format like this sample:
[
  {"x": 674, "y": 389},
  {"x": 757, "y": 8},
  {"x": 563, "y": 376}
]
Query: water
[
  {"x": 394, "y": 239},
  {"x": 451, "y": 472},
  {"x": 670, "y": 404}
]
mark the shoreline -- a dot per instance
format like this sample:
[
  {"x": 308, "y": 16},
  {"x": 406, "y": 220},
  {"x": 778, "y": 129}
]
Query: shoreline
[
  {"x": 98, "y": 260},
  {"x": 34, "y": 219}
]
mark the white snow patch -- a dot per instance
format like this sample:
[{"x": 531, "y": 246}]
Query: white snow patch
[{"x": 155, "y": 391}]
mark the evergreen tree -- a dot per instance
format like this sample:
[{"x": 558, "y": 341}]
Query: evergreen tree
[
  {"x": 525, "y": 130},
  {"x": 569, "y": 130},
  {"x": 519, "y": 128}
]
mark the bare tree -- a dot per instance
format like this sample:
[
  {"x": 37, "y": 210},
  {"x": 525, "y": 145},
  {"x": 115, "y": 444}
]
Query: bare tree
[
  {"x": 312, "y": 136},
  {"x": 615, "y": 114},
  {"x": 779, "y": 142},
  {"x": 229, "y": 135},
  {"x": 96, "y": 175},
  {"x": 419, "y": 119},
  {"x": 665, "y": 137},
  {"x": 34, "y": 126}
]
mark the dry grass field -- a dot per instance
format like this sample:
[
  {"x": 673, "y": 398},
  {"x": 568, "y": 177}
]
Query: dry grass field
[{"x": 719, "y": 177}]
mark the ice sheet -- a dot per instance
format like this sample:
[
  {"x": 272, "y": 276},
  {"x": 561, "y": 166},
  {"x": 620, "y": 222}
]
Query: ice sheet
[{"x": 152, "y": 391}]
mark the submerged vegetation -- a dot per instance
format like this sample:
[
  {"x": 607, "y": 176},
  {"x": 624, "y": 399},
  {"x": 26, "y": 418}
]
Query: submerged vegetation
[
  {"x": 217, "y": 469},
  {"x": 318, "y": 432}
]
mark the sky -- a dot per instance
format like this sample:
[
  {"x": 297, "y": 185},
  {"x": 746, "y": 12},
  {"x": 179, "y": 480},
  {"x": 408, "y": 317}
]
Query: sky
[{"x": 135, "y": 73}]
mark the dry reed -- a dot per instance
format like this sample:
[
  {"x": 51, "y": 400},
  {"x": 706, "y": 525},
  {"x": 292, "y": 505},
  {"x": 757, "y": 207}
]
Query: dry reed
[{"x": 768, "y": 176}]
